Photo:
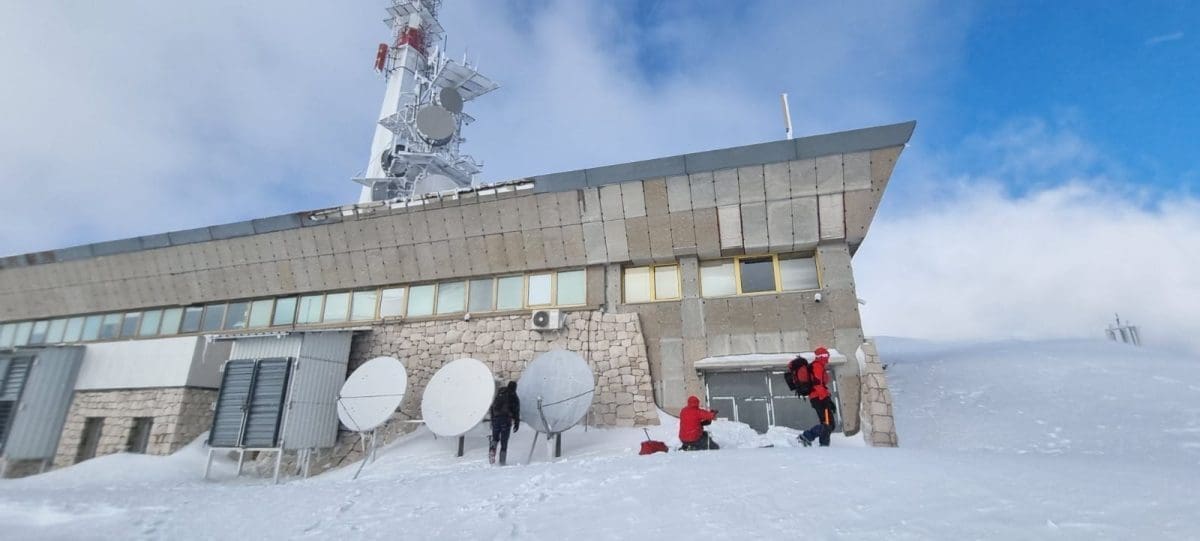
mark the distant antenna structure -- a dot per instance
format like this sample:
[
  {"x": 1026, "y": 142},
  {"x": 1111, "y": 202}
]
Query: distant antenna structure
[
  {"x": 1124, "y": 333},
  {"x": 416, "y": 145}
]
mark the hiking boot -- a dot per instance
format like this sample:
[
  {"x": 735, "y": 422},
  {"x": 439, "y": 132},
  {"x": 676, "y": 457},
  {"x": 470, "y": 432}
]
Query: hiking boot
[
  {"x": 491, "y": 456},
  {"x": 803, "y": 440}
]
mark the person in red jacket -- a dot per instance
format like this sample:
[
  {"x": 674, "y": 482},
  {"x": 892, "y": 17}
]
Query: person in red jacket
[
  {"x": 821, "y": 401},
  {"x": 692, "y": 420}
]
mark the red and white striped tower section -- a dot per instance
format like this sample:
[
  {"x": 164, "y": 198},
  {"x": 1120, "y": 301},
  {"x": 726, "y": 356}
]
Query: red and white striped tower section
[{"x": 416, "y": 145}]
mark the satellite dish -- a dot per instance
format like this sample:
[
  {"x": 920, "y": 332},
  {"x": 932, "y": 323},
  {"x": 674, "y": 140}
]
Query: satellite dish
[
  {"x": 372, "y": 393},
  {"x": 435, "y": 124},
  {"x": 457, "y": 397},
  {"x": 565, "y": 384},
  {"x": 451, "y": 100},
  {"x": 434, "y": 183}
]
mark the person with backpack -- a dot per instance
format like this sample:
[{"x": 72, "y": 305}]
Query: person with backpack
[
  {"x": 506, "y": 416},
  {"x": 811, "y": 381},
  {"x": 692, "y": 420}
]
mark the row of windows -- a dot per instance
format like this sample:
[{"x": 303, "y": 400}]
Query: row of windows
[
  {"x": 563, "y": 288},
  {"x": 725, "y": 277}
]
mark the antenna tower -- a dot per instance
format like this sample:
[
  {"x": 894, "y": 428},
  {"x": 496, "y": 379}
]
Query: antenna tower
[{"x": 417, "y": 139}]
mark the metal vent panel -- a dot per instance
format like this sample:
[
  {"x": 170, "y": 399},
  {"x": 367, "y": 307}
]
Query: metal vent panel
[
  {"x": 266, "y": 403},
  {"x": 229, "y": 416}
]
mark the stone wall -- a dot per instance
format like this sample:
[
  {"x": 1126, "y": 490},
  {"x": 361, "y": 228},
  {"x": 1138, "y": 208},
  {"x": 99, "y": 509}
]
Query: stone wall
[
  {"x": 611, "y": 343},
  {"x": 180, "y": 415},
  {"x": 879, "y": 425},
  {"x": 20, "y": 468}
]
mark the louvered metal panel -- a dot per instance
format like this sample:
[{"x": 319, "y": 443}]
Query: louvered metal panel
[
  {"x": 42, "y": 409},
  {"x": 266, "y": 403},
  {"x": 14, "y": 378},
  {"x": 229, "y": 417},
  {"x": 311, "y": 416}
]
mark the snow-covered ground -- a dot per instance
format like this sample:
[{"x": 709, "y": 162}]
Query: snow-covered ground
[{"x": 1011, "y": 440}]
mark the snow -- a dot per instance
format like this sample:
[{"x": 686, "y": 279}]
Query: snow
[{"x": 1008, "y": 440}]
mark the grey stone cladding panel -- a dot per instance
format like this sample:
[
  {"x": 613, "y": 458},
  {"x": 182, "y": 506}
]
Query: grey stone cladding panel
[
  {"x": 679, "y": 194},
  {"x": 803, "y": 174},
  {"x": 726, "y": 187},
  {"x": 829, "y": 175},
  {"x": 751, "y": 184},
  {"x": 594, "y": 244},
  {"x": 683, "y": 233},
  {"x": 569, "y": 212},
  {"x": 856, "y": 171},
  {"x": 832, "y": 217},
  {"x": 633, "y": 198},
  {"x": 655, "y": 197},
  {"x": 805, "y": 224},
  {"x": 637, "y": 233},
  {"x": 779, "y": 226},
  {"x": 611, "y": 204},
  {"x": 661, "y": 249},
  {"x": 754, "y": 227},
  {"x": 708, "y": 234},
  {"x": 615, "y": 240},
  {"x": 590, "y": 210},
  {"x": 574, "y": 248},
  {"x": 547, "y": 208},
  {"x": 703, "y": 194},
  {"x": 553, "y": 242},
  {"x": 882, "y": 163},
  {"x": 729, "y": 221}
]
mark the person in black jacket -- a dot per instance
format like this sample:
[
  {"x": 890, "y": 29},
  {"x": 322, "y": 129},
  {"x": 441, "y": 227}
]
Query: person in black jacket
[{"x": 506, "y": 416}]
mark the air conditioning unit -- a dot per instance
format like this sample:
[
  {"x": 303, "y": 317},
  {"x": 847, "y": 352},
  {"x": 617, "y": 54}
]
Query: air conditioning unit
[{"x": 545, "y": 320}]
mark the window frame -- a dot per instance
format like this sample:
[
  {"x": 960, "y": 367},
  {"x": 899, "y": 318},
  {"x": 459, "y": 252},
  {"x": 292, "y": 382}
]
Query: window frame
[
  {"x": 583, "y": 272},
  {"x": 737, "y": 273},
  {"x": 651, "y": 270}
]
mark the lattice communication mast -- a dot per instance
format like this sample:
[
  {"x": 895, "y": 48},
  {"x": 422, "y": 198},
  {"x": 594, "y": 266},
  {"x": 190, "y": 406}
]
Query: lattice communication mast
[{"x": 416, "y": 144}]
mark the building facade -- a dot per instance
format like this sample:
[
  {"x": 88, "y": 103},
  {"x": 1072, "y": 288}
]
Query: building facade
[{"x": 694, "y": 274}]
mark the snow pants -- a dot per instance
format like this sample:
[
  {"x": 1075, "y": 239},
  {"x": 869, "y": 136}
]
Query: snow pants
[
  {"x": 824, "y": 427},
  {"x": 705, "y": 443},
  {"x": 501, "y": 428}
]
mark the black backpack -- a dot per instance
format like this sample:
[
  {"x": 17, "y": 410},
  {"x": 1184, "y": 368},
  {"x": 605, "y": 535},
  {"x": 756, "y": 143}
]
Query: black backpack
[
  {"x": 501, "y": 405},
  {"x": 799, "y": 376}
]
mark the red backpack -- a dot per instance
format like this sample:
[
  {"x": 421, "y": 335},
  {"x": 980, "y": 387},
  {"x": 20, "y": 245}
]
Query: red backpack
[{"x": 799, "y": 376}]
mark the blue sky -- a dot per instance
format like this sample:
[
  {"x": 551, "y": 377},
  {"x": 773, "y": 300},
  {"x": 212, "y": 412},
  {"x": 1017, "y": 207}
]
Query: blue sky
[{"x": 1061, "y": 133}]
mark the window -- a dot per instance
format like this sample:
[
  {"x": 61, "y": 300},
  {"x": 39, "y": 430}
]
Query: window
[
  {"x": 110, "y": 326},
  {"x": 572, "y": 288},
  {"x": 74, "y": 330},
  {"x": 756, "y": 274},
  {"x": 91, "y": 327},
  {"x": 7, "y": 332},
  {"x": 285, "y": 311},
  {"x": 139, "y": 435},
  {"x": 260, "y": 313},
  {"x": 337, "y": 307},
  {"x": 54, "y": 334},
  {"x": 420, "y": 300},
  {"x": 391, "y": 302},
  {"x": 214, "y": 316},
  {"x": 130, "y": 324},
  {"x": 22, "y": 333},
  {"x": 452, "y": 297},
  {"x": 510, "y": 292},
  {"x": 539, "y": 290},
  {"x": 363, "y": 307},
  {"x": 798, "y": 273},
  {"x": 150, "y": 321},
  {"x": 171, "y": 319},
  {"x": 717, "y": 279},
  {"x": 309, "y": 310},
  {"x": 191, "y": 319},
  {"x": 236, "y": 315},
  {"x": 480, "y": 299},
  {"x": 666, "y": 282},
  {"x": 38, "y": 335},
  {"x": 637, "y": 284}
]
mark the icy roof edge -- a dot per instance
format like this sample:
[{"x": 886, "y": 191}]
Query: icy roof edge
[
  {"x": 713, "y": 160},
  {"x": 760, "y": 361}
]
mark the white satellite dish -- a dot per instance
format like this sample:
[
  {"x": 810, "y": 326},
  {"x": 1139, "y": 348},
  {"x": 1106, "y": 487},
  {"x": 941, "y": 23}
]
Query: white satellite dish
[
  {"x": 435, "y": 124},
  {"x": 372, "y": 393},
  {"x": 433, "y": 183},
  {"x": 563, "y": 383},
  {"x": 457, "y": 397},
  {"x": 451, "y": 100}
]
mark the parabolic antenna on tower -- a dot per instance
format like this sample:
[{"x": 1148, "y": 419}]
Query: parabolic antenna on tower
[
  {"x": 372, "y": 393},
  {"x": 564, "y": 383},
  {"x": 457, "y": 397}
]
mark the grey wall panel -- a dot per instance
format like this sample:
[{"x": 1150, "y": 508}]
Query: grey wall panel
[
  {"x": 777, "y": 181},
  {"x": 829, "y": 175},
  {"x": 860, "y": 210},
  {"x": 805, "y": 223},
  {"x": 661, "y": 249},
  {"x": 726, "y": 187},
  {"x": 547, "y": 209},
  {"x": 708, "y": 233},
  {"x": 49, "y": 389},
  {"x": 633, "y": 199},
  {"x": 637, "y": 234},
  {"x": 803, "y": 175},
  {"x": 615, "y": 240},
  {"x": 754, "y": 227},
  {"x": 590, "y": 207},
  {"x": 683, "y": 233},
  {"x": 612, "y": 207},
  {"x": 535, "y": 249},
  {"x": 729, "y": 221},
  {"x": 831, "y": 215},
  {"x": 569, "y": 211},
  {"x": 750, "y": 184},
  {"x": 311, "y": 416},
  {"x": 574, "y": 251},
  {"x": 514, "y": 249},
  {"x": 882, "y": 163},
  {"x": 856, "y": 171},
  {"x": 594, "y": 244},
  {"x": 436, "y": 221},
  {"x": 496, "y": 254},
  {"x": 476, "y": 256},
  {"x": 455, "y": 228},
  {"x": 679, "y": 194},
  {"x": 527, "y": 212},
  {"x": 703, "y": 192},
  {"x": 779, "y": 226},
  {"x": 553, "y": 247}
]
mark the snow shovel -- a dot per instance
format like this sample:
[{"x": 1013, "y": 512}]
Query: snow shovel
[{"x": 650, "y": 446}]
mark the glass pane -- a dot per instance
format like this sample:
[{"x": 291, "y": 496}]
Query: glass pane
[
  {"x": 480, "y": 299},
  {"x": 666, "y": 282},
  {"x": 74, "y": 330},
  {"x": 236, "y": 314},
  {"x": 420, "y": 301},
  {"x": 191, "y": 319},
  {"x": 509, "y": 291},
  {"x": 150, "y": 322},
  {"x": 91, "y": 328},
  {"x": 572, "y": 288},
  {"x": 285, "y": 311},
  {"x": 538, "y": 293},
  {"x": 798, "y": 273},
  {"x": 38, "y": 336},
  {"x": 452, "y": 297},
  {"x": 260, "y": 312},
  {"x": 110, "y": 326},
  {"x": 7, "y": 332},
  {"x": 214, "y": 316},
  {"x": 22, "y": 336},
  {"x": 54, "y": 334},
  {"x": 758, "y": 274},
  {"x": 310, "y": 309},
  {"x": 716, "y": 279},
  {"x": 391, "y": 302},
  {"x": 363, "y": 307},
  {"x": 337, "y": 307},
  {"x": 171, "y": 319},
  {"x": 130, "y": 324},
  {"x": 637, "y": 284}
]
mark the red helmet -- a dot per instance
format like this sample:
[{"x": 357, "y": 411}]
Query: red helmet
[{"x": 821, "y": 351}]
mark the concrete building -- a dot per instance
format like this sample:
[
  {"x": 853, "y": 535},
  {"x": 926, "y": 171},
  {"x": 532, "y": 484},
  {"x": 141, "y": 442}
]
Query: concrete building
[{"x": 694, "y": 274}]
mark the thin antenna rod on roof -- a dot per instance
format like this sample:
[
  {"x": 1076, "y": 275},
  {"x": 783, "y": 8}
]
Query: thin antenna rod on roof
[{"x": 787, "y": 114}]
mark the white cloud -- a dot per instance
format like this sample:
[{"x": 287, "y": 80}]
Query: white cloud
[
  {"x": 1057, "y": 261},
  {"x": 1173, "y": 36}
]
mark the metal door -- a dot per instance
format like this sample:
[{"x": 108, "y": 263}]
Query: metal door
[
  {"x": 747, "y": 391},
  {"x": 230, "y": 414},
  {"x": 250, "y": 403},
  {"x": 789, "y": 410}
]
